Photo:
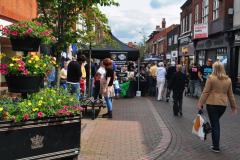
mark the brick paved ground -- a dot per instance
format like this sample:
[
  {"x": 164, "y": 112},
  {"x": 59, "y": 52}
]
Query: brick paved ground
[
  {"x": 185, "y": 146},
  {"x": 134, "y": 132}
]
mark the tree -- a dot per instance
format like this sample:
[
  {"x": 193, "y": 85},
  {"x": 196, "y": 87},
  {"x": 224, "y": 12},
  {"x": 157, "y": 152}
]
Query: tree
[{"x": 61, "y": 17}]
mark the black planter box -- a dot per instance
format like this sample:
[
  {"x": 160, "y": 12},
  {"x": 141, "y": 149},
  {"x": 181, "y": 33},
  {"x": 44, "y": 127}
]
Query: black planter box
[
  {"x": 25, "y": 44},
  {"x": 53, "y": 138},
  {"x": 24, "y": 83}
]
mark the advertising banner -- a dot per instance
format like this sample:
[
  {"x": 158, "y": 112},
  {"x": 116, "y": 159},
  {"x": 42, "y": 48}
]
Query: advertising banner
[{"x": 200, "y": 31}]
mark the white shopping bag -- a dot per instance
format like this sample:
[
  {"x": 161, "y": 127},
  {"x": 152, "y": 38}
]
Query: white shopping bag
[{"x": 197, "y": 128}]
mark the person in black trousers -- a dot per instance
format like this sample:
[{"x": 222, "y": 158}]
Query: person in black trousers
[
  {"x": 177, "y": 84},
  {"x": 171, "y": 70}
]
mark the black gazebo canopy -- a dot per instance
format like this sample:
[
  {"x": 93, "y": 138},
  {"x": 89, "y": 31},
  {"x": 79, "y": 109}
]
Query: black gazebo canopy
[{"x": 107, "y": 50}]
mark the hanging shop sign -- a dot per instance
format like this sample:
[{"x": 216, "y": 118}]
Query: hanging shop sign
[
  {"x": 174, "y": 54},
  {"x": 120, "y": 58},
  {"x": 200, "y": 31}
]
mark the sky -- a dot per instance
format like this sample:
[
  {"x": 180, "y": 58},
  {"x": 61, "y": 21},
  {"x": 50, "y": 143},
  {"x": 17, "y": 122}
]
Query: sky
[{"x": 135, "y": 18}]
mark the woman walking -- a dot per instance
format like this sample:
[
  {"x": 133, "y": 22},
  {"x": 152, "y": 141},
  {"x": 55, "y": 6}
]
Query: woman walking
[
  {"x": 216, "y": 93},
  {"x": 108, "y": 90}
]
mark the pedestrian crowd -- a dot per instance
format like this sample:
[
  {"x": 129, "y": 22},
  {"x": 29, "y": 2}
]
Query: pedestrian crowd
[{"x": 209, "y": 83}]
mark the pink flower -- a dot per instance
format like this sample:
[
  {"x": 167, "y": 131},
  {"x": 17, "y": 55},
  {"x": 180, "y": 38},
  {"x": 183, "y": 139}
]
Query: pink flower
[
  {"x": 26, "y": 117},
  {"x": 66, "y": 107},
  {"x": 25, "y": 72},
  {"x": 3, "y": 66},
  {"x": 29, "y": 30},
  {"x": 14, "y": 33},
  {"x": 40, "y": 114},
  {"x": 5, "y": 31},
  {"x": 4, "y": 72}
]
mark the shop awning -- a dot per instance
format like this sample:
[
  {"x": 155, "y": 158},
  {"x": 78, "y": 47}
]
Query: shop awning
[{"x": 118, "y": 47}]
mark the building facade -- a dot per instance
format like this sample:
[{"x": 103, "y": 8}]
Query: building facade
[
  {"x": 235, "y": 58},
  {"x": 172, "y": 44},
  {"x": 12, "y": 11},
  {"x": 186, "y": 45},
  {"x": 212, "y": 20}
]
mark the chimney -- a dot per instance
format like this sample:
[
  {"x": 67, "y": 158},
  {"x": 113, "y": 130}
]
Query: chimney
[
  {"x": 158, "y": 28},
  {"x": 163, "y": 23}
]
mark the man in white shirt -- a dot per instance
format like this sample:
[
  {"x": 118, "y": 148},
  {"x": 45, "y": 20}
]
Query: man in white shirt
[{"x": 161, "y": 74}]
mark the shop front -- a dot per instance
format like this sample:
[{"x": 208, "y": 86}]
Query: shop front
[
  {"x": 186, "y": 51},
  {"x": 235, "y": 65},
  {"x": 216, "y": 48}
]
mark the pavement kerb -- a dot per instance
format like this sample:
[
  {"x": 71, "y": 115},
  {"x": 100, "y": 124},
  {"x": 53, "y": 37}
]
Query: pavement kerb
[{"x": 165, "y": 139}]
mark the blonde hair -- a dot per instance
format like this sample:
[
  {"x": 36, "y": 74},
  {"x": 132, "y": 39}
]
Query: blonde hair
[
  {"x": 219, "y": 71},
  {"x": 179, "y": 68}
]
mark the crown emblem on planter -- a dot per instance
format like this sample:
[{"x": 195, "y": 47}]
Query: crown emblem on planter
[{"x": 37, "y": 142}]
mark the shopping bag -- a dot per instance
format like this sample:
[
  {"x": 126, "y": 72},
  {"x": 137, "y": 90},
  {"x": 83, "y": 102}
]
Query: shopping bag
[{"x": 201, "y": 126}]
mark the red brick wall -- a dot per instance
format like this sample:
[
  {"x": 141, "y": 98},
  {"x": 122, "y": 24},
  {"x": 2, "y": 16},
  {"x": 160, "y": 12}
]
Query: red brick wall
[{"x": 18, "y": 10}]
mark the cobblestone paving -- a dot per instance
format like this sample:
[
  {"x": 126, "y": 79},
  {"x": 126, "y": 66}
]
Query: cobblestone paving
[
  {"x": 185, "y": 146},
  {"x": 131, "y": 134}
]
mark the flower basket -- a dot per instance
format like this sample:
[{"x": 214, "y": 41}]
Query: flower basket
[
  {"x": 25, "y": 43},
  {"x": 24, "y": 83}
]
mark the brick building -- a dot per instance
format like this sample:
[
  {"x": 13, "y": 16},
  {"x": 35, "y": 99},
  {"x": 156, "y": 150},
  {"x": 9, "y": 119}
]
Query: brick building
[
  {"x": 172, "y": 46},
  {"x": 217, "y": 17},
  {"x": 157, "y": 43},
  {"x": 12, "y": 11},
  {"x": 186, "y": 46}
]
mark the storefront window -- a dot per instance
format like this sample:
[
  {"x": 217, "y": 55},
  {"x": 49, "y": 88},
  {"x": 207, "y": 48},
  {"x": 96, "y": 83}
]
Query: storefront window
[
  {"x": 222, "y": 56},
  {"x": 201, "y": 57}
]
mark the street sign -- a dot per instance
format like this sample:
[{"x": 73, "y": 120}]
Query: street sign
[{"x": 200, "y": 31}]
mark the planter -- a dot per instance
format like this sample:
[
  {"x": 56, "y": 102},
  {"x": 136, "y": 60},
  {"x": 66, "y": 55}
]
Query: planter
[
  {"x": 24, "y": 83},
  {"x": 52, "y": 138},
  {"x": 25, "y": 44}
]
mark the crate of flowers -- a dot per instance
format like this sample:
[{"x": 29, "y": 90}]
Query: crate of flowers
[{"x": 46, "y": 125}]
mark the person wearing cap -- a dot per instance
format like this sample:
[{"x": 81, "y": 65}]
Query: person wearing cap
[
  {"x": 170, "y": 72},
  {"x": 161, "y": 75}
]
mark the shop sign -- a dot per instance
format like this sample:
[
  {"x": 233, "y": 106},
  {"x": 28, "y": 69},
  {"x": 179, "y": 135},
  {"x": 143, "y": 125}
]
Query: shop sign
[
  {"x": 174, "y": 54},
  {"x": 3, "y": 23},
  {"x": 200, "y": 31},
  {"x": 120, "y": 58}
]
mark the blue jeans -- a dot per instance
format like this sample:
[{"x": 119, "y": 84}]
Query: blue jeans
[
  {"x": 74, "y": 88},
  {"x": 215, "y": 112},
  {"x": 194, "y": 87},
  {"x": 109, "y": 103}
]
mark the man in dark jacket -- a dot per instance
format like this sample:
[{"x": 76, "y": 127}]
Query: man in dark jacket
[
  {"x": 177, "y": 85},
  {"x": 74, "y": 75}
]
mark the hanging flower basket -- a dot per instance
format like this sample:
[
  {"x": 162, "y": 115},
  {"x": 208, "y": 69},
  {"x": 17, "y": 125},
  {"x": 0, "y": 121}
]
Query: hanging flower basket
[
  {"x": 24, "y": 83},
  {"x": 25, "y": 43}
]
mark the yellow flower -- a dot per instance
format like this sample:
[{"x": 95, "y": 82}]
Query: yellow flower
[
  {"x": 35, "y": 109},
  {"x": 15, "y": 59},
  {"x": 2, "y": 55},
  {"x": 59, "y": 100},
  {"x": 36, "y": 58},
  {"x": 44, "y": 65},
  {"x": 36, "y": 66},
  {"x": 34, "y": 72},
  {"x": 1, "y": 109},
  {"x": 41, "y": 98},
  {"x": 29, "y": 103},
  {"x": 29, "y": 61},
  {"x": 71, "y": 99},
  {"x": 11, "y": 65}
]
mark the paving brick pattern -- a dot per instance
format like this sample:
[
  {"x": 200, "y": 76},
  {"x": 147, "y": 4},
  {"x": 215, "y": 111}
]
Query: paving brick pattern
[
  {"x": 133, "y": 132},
  {"x": 185, "y": 146}
]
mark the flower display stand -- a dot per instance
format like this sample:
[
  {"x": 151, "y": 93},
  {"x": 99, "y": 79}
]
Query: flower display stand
[
  {"x": 51, "y": 138},
  {"x": 24, "y": 83}
]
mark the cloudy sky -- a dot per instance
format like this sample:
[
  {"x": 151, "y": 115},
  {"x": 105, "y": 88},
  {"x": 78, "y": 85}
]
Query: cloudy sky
[{"x": 135, "y": 18}]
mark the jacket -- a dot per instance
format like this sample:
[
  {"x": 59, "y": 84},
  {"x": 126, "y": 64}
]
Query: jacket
[
  {"x": 74, "y": 72},
  {"x": 177, "y": 83},
  {"x": 161, "y": 73},
  {"x": 218, "y": 92}
]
